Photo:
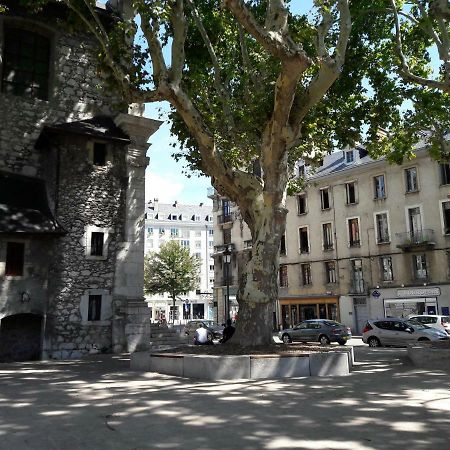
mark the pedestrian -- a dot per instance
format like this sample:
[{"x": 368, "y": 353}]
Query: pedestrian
[
  {"x": 228, "y": 332},
  {"x": 202, "y": 336}
]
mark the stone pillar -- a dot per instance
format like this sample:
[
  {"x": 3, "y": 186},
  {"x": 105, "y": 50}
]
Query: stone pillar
[{"x": 131, "y": 315}]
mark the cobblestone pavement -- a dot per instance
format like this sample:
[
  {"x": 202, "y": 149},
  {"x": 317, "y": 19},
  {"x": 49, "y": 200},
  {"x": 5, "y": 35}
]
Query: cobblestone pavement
[{"x": 98, "y": 403}]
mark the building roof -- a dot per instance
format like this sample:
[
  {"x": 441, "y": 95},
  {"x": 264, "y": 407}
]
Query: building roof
[
  {"x": 102, "y": 127},
  {"x": 24, "y": 206},
  {"x": 183, "y": 213}
]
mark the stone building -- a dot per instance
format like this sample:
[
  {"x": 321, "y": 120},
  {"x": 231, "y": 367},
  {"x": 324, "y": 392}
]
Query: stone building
[
  {"x": 366, "y": 239},
  {"x": 71, "y": 196},
  {"x": 192, "y": 227}
]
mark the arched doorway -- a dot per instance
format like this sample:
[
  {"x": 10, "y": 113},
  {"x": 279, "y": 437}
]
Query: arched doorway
[{"x": 20, "y": 338}]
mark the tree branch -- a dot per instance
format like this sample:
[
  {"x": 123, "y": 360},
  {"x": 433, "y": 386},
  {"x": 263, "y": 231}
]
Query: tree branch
[
  {"x": 178, "y": 21},
  {"x": 218, "y": 84},
  {"x": 273, "y": 41},
  {"x": 328, "y": 73},
  {"x": 276, "y": 17}
]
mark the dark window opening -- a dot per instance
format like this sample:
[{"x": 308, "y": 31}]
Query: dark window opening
[
  {"x": 283, "y": 245},
  {"x": 95, "y": 307},
  {"x": 99, "y": 155},
  {"x": 15, "y": 253},
  {"x": 97, "y": 244},
  {"x": 304, "y": 241},
  {"x": 283, "y": 276},
  {"x": 325, "y": 198},
  {"x": 351, "y": 193},
  {"x": 446, "y": 216},
  {"x": 26, "y": 58},
  {"x": 445, "y": 173},
  {"x": 301, "y": 204}
]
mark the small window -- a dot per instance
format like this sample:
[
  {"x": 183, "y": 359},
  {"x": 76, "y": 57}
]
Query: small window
[
  {"x": 382, "y": 228},
  {"x": 420, "y": 267},
  {"x": 445, "y": 173},
  {"x": 211, "y": 232},
  {"x": 304, "y": 240},
  {"x": 306, "y": 274},
  {"x": 351, "y": 193},
  {"x": 26, "y": 63},
  {"x": 184, "y": 243},
  {"x": 411, "y": 180},
  {"x": 446, "y": 216},
  {"x": 283, "y": 274},
  {"x": 15, "y": 256},
  {"x": 325, "y": 198},
  {"x": 95, "y": 308},
  {"x": 301, "y": 204},
  {"x": 353, "y": 232},
  {"x": 282, "y": 245},
  {"x": 99, "y": 154},
  {"x": 386, "y": 268},
  {"x": 97, "y": 239},
  {"x": 327, "y": 236},
  {"x": 162, "y": 231},
  {"x": 150, "y": 231},
  {"x": 174, "y": 232},
  {"x": 379, "y": 187},
  {"x": 330, "y": 272},
  {"x": 349, "y": 157},
  {"x": 211, "y": 267},
  {"x": 198, "y": 244}
]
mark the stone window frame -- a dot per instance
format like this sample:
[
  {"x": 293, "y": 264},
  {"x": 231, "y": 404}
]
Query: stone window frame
[
  {"x": 89, "y": 229},
  {"x": 105, "y": 309},
  {"x": 90, "y": 150},
  {"x": 33, "y": 27}
]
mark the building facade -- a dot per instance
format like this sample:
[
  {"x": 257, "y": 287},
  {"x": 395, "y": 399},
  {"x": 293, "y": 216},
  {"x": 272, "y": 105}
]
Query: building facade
[
  {"x": 366, "y": 239},
  {"x": 72, "y": 177},
  {"x": 192, "y": 227}
]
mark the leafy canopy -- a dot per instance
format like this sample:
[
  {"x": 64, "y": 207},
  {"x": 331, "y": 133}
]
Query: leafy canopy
[{"x": 172, "y": 270}]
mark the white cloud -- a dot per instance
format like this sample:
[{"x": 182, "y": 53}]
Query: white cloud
[{"x": 163, "y": 187}]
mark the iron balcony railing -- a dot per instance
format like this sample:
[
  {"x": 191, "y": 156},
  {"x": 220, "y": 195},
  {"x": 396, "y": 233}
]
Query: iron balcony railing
[{"x": 416, "y": 238}]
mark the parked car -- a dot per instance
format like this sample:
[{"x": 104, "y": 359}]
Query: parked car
[
  {"x": 214, "y": 328},
  {"x": 399, "y": 332},
  {"x": 434, "y": 321},
  {"x": 321, "y": 330}
]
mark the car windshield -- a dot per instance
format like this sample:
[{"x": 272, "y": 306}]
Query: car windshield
[
  {"x": 210, "y": 323},
  {"x": 416, "y": 324}
]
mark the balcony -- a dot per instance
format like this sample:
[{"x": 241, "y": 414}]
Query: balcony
[
  {"x": 357, "y": 286},
  {"x": 416, "y": 240}
]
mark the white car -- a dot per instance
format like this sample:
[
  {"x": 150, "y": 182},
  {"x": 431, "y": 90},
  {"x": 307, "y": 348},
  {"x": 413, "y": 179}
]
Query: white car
[
  {"x": 399, "y": 332},
  {"x": 435, "y": 321}
]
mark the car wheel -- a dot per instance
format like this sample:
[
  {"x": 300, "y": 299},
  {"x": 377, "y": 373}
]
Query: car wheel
[
  {"x": 374, "y": 342},
  {"x": 286, "y": 338},
  {"x": 324, "y": 339},
  {"x": 423, "y": 339}
]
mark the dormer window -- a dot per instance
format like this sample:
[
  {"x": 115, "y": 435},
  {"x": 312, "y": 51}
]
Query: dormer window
[
  {"x": 349, "y": 156},
  {"x": 26, "y": 62}
]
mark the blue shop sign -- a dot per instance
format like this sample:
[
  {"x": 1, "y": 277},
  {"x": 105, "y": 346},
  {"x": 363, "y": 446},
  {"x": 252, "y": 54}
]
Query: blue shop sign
[{"x": 376, "y": 294}]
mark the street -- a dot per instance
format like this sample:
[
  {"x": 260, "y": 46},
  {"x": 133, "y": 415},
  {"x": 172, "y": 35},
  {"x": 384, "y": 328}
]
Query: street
[{"x": 98, "y": 403}]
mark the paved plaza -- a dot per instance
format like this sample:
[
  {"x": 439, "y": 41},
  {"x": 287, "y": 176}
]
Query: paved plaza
[{"x": 98, "y": 403}]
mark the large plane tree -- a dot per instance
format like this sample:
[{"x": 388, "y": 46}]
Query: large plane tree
[{"x": 253, "y": 87}]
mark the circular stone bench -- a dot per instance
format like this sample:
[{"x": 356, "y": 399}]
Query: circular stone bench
[
  {"x": 253, "y": 367},
  {"x": 426, "y": 356}
]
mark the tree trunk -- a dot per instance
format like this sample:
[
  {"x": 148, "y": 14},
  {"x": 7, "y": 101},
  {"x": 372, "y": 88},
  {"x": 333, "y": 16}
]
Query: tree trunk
[
  {"x": 258, "y": 287},
  {"x": 173, "y": 309}
]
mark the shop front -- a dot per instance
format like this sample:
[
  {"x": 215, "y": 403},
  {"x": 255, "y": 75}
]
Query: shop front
[
  {"x": 413, "y": 301},
  {"x": 295, "y": 310}
]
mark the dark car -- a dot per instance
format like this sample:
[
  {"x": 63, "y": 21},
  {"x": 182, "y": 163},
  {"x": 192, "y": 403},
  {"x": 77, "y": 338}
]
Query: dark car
[
  {"x": 214, "y": 328},
  {"x": 319, "y": 330}
]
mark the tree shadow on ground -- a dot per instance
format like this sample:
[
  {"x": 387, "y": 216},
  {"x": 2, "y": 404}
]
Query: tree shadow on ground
[{"x": 98, "y": 403}]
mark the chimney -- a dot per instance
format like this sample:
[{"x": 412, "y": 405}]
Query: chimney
[
  {"x": 201, "y": 204},
  {"x": 155, "y": 204},
  {"x": 175, "y": 204}
]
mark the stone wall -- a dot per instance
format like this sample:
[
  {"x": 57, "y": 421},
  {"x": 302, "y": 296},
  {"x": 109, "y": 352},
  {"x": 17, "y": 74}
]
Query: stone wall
[{"x": 75, "y": 94}]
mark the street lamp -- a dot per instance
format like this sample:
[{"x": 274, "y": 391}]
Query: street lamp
[{"x": 227, "y": 261}]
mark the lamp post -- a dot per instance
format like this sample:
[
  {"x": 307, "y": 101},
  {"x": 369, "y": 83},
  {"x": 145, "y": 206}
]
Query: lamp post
[{"x": 227, "y": 260}]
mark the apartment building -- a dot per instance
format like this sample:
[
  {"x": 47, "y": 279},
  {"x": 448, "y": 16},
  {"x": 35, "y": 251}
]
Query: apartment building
[
  {"x": 366, "y": 239},
  {"x": 192, "y": 227}
]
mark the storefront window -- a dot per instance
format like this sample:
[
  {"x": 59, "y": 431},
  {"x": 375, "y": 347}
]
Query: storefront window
[{"x": 198, "y": 311}]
